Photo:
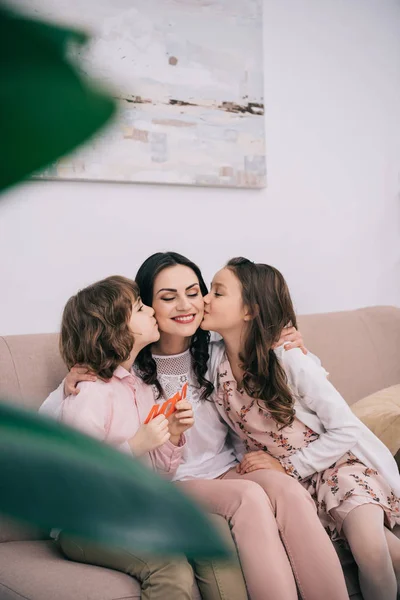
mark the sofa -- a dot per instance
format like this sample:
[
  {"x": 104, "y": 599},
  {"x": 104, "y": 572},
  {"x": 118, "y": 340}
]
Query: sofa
[{"x": 359, "y": 348}]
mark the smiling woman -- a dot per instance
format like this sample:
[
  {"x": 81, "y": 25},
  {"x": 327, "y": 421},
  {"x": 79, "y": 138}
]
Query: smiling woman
[
  {"x": 174, "y": 286},
  {"x": 177, "y": 306}
]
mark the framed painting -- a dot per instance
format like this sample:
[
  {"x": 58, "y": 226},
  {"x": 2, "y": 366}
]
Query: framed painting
[{"x": 188, "y": 75}]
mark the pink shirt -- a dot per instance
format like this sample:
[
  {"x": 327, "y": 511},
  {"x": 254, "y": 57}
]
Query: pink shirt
[{"x": 109, "y": 411}]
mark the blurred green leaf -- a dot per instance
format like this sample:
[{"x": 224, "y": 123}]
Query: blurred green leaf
[
  {"x": 55, "y": 477},
  {"x": 46, "y": 107}
]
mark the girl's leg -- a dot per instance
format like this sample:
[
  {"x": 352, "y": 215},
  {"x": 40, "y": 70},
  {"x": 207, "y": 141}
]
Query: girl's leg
[
  {"x": 244, "y": 504},
  {"x": 364, "y": 530},
  {"x": 314, "y": 561},
  {"x": 393, "y": 543},
  {"x": 221, "y": 580},
  {"x": 159, "y": 579}
]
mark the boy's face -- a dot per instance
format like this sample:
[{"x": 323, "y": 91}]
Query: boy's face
[{"x": 143, "y": 325}]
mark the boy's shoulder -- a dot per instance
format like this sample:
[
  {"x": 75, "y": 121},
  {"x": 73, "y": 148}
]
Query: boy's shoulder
[{"x": 100, "y": 389}]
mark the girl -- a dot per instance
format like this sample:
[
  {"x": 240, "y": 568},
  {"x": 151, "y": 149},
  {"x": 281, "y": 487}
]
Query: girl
[
  {"x": 105, "y": 326},
  {"x": 293, "y": 421},
  {"x": 266, "y": 529}
]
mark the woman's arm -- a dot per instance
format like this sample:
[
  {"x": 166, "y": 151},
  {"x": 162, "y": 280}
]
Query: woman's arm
[
  {"x": 317, "y": 394},
  {"x": 77, "y": 374},
  {"x": 291, "y": 338}
]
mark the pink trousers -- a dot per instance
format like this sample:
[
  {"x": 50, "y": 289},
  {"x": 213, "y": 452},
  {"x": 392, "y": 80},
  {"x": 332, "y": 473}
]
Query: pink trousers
[{"x": 279, "y": 537}]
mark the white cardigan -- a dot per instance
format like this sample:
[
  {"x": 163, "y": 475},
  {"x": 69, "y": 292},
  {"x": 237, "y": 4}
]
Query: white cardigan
[{"x": 320, "y": 406}]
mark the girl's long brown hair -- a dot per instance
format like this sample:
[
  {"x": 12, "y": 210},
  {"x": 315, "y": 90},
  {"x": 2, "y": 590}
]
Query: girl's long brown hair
[
  {"x": 266, "y": 294},
  {"x": 95, "y": 325}
]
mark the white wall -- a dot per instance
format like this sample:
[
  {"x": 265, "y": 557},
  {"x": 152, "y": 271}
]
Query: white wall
[{"x": 329, "y": 219}]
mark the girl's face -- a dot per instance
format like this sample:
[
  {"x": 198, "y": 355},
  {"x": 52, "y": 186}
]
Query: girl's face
[
  {"x": 223, "y": 307},
  {"x": 177, "y": 301},
  {"x": 143, "y": 325}
]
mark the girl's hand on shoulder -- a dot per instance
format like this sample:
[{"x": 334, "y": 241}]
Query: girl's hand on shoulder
[
  {"x": 77, "y": 374},
  {"x": 151, "y": 436},
  {"x": 291, "y": 338},
  {"x": 180, "y": 420},
  {"x": 253, "y": 461}
]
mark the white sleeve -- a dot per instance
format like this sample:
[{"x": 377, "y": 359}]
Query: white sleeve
[
  {"x": 314, "y": 358},
  {"x": 53, "y": 404},
  {"x": 317, "y": 394}
]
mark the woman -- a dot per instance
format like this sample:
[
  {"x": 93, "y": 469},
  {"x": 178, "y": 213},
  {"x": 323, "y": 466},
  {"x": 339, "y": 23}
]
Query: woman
[
  {"x": 265, "y": 527},
  {"x": 293, "y": 421}
]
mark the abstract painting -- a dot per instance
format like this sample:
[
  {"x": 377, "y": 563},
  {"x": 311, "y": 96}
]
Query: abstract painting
[{"x": 188, "y": 75}]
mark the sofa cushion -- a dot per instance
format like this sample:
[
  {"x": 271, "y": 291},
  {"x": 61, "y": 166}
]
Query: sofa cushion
[
  {"x": 30, "y": 367},
  {"x": 359, "y": 348},
  {"x": 12, "y": 531},
  {"x": 381, "y": 413},
  {"x": 38, "y": 571}
]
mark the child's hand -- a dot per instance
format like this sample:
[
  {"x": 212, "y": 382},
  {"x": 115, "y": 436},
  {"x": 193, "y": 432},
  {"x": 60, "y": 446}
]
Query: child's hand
[
  {"x": 253, "y": 461},
  {"x": 151, "y": 436},
  {"x": 180, "y": 420}
]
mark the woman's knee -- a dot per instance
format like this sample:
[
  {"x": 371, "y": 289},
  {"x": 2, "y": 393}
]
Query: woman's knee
[
  {"x": 281, "y": 487},
  {"x": 252, "y": 494}
]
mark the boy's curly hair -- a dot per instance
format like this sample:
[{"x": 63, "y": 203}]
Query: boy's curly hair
[{"x": 95, "y": 325}]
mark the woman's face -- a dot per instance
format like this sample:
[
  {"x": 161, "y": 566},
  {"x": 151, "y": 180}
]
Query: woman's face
[
  {"x": 177, "y": 301},
  {"x": 143, "y": 325},
  {"x": 223, "y": 307}
]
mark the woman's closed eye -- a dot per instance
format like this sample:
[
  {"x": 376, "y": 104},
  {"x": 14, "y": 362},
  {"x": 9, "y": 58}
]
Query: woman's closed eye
[{"x": 173, "y": 297}]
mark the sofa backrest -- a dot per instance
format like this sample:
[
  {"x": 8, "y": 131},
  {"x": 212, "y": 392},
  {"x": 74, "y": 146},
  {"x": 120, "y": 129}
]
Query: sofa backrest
[
  {"x": 30, "y": 367},
  {"x": 359, "y": 348}
]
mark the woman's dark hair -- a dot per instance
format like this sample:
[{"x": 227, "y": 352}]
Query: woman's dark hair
[
  {"x": 199, "y": 343},
  {"x": 95, "y": 325},
  {"x": 266, "y": 294}
]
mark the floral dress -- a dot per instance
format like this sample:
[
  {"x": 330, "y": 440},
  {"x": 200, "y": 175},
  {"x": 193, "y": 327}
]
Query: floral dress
[{"x": 337, "y": 490}]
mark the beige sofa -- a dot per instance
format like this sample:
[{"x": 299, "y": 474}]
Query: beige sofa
[{"x": 360, "y": 349}]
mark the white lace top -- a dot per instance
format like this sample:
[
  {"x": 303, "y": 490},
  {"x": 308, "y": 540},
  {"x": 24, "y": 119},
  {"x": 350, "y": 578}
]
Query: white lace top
[{"x": 208, "y": 451}]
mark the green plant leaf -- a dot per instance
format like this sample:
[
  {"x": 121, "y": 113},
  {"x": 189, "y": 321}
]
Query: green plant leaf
[
  {"x": 55, "y": 477},
  {"x": 46, "y": 107}
]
